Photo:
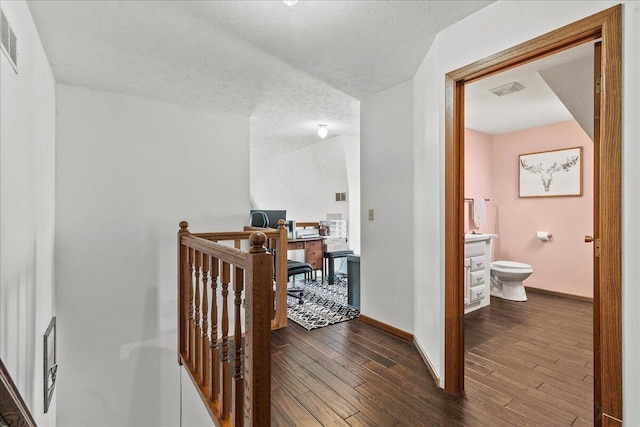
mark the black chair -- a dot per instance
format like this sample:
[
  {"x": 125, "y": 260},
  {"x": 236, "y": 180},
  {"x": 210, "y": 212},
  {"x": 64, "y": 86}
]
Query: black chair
[{"x": 294, "y": 268}]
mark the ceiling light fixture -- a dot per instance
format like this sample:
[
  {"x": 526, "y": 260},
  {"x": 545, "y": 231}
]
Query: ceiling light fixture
[
  {"x": 323, "y": 131},
  {"x": 507, "y": 89},
  {"x": 289, "y": 2}
]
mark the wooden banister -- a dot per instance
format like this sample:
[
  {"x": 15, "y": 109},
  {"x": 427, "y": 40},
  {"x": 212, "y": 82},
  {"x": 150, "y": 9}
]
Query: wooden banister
[
  {"x": 237, "y": 235},
  {"x": 235, "y": 256},
  {"x": 13, "y": 410},
  {"x": 232, "y": 373},
  {"x": 274, "y": 236}
]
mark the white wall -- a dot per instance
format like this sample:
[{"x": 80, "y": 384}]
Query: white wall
[
  {"x": 193, "y": 412},
  {"x": 631, "y": 216},
  {"x": 27, "y": 207},
  {"x": 491, "y": 30},
  {"x": 352, "y": 156},
  {"x": 428, "y": 220},
  {"x": 305, "y": 182},
  {"x": 128, "y": 170},
  {"x": 386, "y": 264}
]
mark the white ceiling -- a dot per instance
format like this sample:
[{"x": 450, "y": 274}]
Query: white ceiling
[
  {"x": 569, "y": 72},
  {"x": 288, "y": 68}
]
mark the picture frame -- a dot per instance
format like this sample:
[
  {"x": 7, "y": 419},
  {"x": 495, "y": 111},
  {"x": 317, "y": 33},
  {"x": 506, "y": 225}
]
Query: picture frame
[
  {"x": 50, "y": 363},
  {"x": 554, "y": 173}
]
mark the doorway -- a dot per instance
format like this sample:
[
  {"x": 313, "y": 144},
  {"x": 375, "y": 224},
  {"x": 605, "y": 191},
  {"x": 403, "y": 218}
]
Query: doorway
[{"x": 606, "y": 26}]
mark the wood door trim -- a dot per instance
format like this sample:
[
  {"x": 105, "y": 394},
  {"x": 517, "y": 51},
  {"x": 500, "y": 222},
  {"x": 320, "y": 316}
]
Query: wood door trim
[
  {"x": 606, "y": 25},
  {"x": 610, "y": 215},
  {"x": 597, "y": 380},
  {"x": 454, "y": 236}
]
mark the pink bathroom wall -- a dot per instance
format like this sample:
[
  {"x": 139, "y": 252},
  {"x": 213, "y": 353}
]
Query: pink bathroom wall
[
  {"x": 564, "y": 263},
  {"x": 478, "y": 178}
]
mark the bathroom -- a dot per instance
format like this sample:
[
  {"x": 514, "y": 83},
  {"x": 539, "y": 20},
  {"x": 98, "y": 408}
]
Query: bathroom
[
  {"x": 529, "y": 172},
  {"x": 563, "y": 263}
]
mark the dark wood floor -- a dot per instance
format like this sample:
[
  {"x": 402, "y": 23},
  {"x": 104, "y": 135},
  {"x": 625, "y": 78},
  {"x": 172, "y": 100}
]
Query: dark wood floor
[{"x": 527, "y": 364}]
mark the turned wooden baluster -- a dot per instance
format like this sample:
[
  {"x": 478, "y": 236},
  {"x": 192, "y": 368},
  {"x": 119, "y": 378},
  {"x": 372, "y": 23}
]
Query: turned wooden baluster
[
  {"x": 204, "y": 336},
  {"x": 226, "y": 364},
  {"x": 197, "y": 351},
  {"x": 214, "y": 366},
  {"x": 238, "y": 374},
  {"x": 190, "y": 338}
]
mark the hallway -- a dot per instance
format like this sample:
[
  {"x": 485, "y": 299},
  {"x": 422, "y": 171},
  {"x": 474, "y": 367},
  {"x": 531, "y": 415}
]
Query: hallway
[{"x": 527, "y": 365}]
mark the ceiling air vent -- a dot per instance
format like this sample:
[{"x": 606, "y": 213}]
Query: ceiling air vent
[
  {"x": 9, "y": 41},
  {"x": 507, "y": 89}
]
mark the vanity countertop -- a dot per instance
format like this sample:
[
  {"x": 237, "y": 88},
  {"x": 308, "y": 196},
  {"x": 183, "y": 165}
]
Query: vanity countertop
[{"x": 469, "y": 237}]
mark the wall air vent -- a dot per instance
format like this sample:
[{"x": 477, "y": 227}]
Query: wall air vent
[
  {"x": 507, "y": 89},
  {"x": 9, "y": 42}
]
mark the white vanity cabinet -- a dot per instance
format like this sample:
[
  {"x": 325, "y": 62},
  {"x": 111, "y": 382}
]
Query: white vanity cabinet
[{"x": 477, "y": 262}]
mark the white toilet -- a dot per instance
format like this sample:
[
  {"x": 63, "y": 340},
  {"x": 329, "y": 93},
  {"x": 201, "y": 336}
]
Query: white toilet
[{"x": 506, "y": 280}]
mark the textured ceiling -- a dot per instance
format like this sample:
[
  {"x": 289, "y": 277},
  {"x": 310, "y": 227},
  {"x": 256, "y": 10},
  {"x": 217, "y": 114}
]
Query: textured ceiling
[
  {"x": 571, "y": 72},
  {"x": 288, "y": 68}
]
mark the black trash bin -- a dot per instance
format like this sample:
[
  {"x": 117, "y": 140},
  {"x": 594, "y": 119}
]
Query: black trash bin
[{"x": 353, "y": 280}]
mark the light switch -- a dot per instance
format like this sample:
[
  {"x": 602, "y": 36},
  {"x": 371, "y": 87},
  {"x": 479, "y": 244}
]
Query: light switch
[{"x": 370, "y": 214}]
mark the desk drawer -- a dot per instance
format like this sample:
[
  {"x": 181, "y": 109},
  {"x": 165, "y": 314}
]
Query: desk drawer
[
  {"x": 295, "y": 245},
  {"x": 315, "y": 263},
  {"x": 313, "y": 255},
  {"x": 314, "y": 244}
]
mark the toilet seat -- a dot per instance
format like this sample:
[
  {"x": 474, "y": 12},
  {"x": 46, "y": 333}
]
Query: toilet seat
[
  {"x": 506, "y": 266},
  {"x": 507, "y": 278}
]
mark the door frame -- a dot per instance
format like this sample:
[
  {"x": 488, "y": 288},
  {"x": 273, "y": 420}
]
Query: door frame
[{"x": 606, "y": 26}]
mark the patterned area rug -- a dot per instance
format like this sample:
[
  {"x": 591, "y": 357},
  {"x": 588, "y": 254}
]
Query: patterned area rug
[{"x": 322, "y": 304}]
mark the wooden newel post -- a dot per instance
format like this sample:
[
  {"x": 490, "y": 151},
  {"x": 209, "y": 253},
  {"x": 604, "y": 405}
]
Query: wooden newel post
[
  {"x": 281, "y": 276},
  {"x": 258, "y": 334},
  {"x": 183, "y": 276}
]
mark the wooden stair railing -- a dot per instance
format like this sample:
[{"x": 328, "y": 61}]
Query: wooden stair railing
[
  {"x": 232, "y": 374},
  {"x": 13, "y": 410},
  {"x": 276, "y": 238}
]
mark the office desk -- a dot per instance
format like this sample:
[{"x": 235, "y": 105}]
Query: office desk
[{"x": 313, "y": 251}]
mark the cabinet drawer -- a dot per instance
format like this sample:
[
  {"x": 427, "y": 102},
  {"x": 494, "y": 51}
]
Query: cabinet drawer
[
  {"x": 477, "y": 278},
  {"x": 295, "y": 245},
  {"x": 477, "y": 293},
  {"x": 474, "y": 249},
  {"x": 477, "y": 263}
]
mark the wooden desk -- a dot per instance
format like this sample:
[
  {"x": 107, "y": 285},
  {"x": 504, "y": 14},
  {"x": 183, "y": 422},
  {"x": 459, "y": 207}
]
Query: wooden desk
[{"x": 313, "y": 251}]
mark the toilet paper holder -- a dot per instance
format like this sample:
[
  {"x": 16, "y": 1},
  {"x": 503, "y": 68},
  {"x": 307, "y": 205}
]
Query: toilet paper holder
[{"x": 543, "y": 235}]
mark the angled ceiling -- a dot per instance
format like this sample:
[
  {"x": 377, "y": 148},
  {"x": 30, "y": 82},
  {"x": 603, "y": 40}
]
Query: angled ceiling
[
  {"x": 288, "y": 68},
  {"x": 556, "y": 88}
]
